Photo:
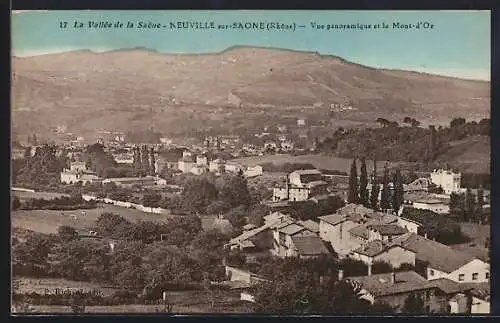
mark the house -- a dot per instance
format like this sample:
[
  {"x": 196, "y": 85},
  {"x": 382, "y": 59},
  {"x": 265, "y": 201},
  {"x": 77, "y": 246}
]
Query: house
[
  {"x": 448, "y": 180},
  {"x": 300, "y": 178},
  {"x": 78, "y": 166},
  {"x": 287, "y": 145},
  {"x": 433, "y": 205},
  {"x": 202, "y": 160},
  {"x": 253, "y": 171},
  {"x": 270, "y": 145},
  {"x": 186, "y": 163},
  {"x": 242, "y": 280},
  {"x": 217, "y": 166},
  {"x": 77, "y": 175},
  {"x": 233, "y": 167},
  {"x": 290, "y": 239},
  {"x": 17, "y": 153},
  {"x": 124, "y": 159},
  {"x": 419, "y": 185},
  {"x": 131, "y": 181},
  {"x": 351, "y": 227},
  {"x": 198, "y": 169},
  {"x": 442, "y": 261},
  {"x": 480, "y": 297},
  {"x": 382, "y": 251},
  {"x": 301, "y": 185},
  {"x": 410, "y": 225},
  {"x": 440, "y": 296},
  {"x": 310, "y": 225}
]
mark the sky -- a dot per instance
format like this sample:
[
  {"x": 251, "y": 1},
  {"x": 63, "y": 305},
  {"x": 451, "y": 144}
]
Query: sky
[{"x": 457, "y": 45}]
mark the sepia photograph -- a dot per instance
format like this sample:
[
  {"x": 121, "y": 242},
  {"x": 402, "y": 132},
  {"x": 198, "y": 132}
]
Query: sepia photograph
[{"x": 250, "y": 162}]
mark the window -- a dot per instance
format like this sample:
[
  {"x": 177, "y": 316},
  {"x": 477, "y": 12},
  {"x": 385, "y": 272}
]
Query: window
[
  {"x": 487, "y": 275},
  {"x": 431, "y": 272},
  {"x": 428, "y": 295},
  {"x": 461, "y": 277},
  {"x": 475, "y": 276}
]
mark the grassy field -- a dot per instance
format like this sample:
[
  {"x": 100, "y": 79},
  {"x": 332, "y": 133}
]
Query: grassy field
[
  {"x": 37, "y": 195},
  {"x": 319, "y": 161},
  {"x": 478, "y": 234},
  {"x": 182, "y": 301},
  {"x": 47, "y": 221}
]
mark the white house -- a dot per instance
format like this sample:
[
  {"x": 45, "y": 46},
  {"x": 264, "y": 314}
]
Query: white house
[
  {"x": 410, "y": 225},
  {"x": 72, "y": 177},
  {"x": 78, "y": 166},
  {"x": 202, "y": 160},
  {"x": 300, "y": 178},
  {"x": 233, "y": 167},
  {"x": 253, "y": 171},
  {"x": 433, "y": 205},
  {"x": 217, "y": 165},
  {"x": 124, "y": 159},
  {"x": 186, "y": 163},
  {"x": 447, "y": 180},
  {"x": 445, "y": 262},
  {"x": 291, "y": 239}
]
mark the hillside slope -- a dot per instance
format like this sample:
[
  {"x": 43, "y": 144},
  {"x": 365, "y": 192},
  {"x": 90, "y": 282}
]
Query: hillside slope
[{"x": 118, "y": 90}]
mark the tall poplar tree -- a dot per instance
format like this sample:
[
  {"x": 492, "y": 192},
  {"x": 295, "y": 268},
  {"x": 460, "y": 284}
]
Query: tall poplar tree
[
  {"x": 398, "y": 195},
  {"x": 363, "y": 184},
  {"x": 353, "y": 183},
  {"x": 145, "y": 160},
  {"x": 152, "y": 162},
  {"x": 385, "y": 202},
  {"x": 375, "y": 188}
]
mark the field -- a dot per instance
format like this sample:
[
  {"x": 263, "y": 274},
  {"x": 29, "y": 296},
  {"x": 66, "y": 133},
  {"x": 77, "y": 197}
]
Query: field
[
  {"x": 36, "y": 195},
  {"x": 319, "y": 161},
  {"x": 478, "y": 234},
  {"x": 183, "y": 301},
  {"x": 35, "y": 285},
  {"x": 47, "y": 221}
]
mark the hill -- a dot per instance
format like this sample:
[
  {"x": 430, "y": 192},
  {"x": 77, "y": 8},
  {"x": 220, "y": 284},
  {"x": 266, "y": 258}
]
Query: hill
[{"x": 244, "y": 87}]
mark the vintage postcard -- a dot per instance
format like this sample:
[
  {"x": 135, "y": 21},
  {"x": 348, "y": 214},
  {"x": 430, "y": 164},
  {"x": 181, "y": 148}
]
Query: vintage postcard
[{"x": 298, "y": 162}]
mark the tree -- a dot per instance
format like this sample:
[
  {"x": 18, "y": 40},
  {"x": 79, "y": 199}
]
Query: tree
[
  {"x": 375, "y": 188},
  {"x": 198, "y": 194},
  {"x": 456, "y": 122},
  {"x": 145, "y": 160},
  {"x": 67, "y": 233},
  {"x": 363, "y": 184},
  {"x": 385, "y": 203},
  {"x": 233, "y": 190},
  {"x": 398, "y": 195},
  {"x": 107, "y": 222},
  {"x": 151, "y": 200},
  {"x": 16, "y": 203},
  {"x": 413, "y": 304},
  {"x": 152, "y": 166},
  {"x": 352, "y": 197},
  {"x": 470, "y": 204}
]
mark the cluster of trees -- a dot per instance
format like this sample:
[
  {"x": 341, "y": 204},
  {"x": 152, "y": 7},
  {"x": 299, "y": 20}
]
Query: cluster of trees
[
  {"x": 309, "y": 210},
  {"x": 389, "y": 198},
  {"x": 439, "y": 227},
  {"x": 311, "y": 286},
  {"x": 468, "y": 207},
  {"x": 40, "y": 170},
  {"x": 73, "y": 202},
  {"x": 144, "y": 161},
  {"x": 149, "y": 259},
  {"x": 396, "y": 143}
]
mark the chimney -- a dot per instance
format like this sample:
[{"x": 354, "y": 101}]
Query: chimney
[
  {"x": 369, "y": 270},
  {"x": 341, "y": 275},
  {"x": 393, "y": 278}
]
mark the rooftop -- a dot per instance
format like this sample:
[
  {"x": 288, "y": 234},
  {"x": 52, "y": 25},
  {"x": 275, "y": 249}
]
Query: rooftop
[
  {"x": 375, "y": 248},
  {"x": 429, "y": 201},
  {"x": 310, "y": 245},
  {"x": 381, "y": 285},
  {"x": 388, "y": 229},
  {"x": 437, "y": 255},
  {"x": 310, "y": 225},
  {"x": 291, "y": 229},
  {"x": 307, "y": 172},
  {"x": 316, "y": 183}
]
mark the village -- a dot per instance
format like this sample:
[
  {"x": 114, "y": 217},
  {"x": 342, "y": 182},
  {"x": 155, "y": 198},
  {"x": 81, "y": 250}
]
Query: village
[{"x": 387, "y": 225}]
